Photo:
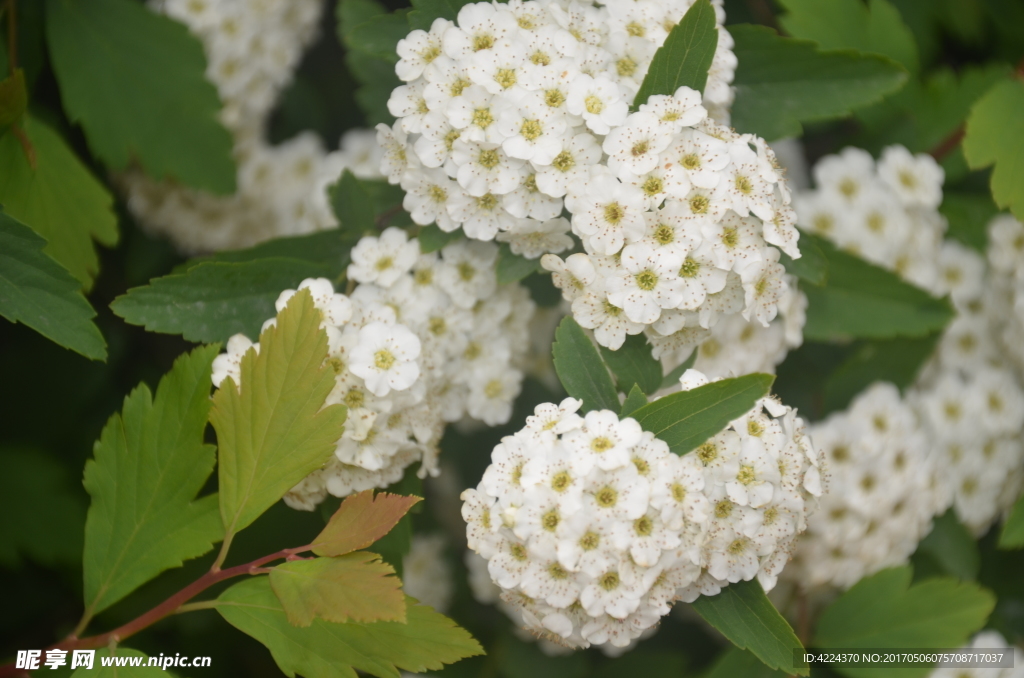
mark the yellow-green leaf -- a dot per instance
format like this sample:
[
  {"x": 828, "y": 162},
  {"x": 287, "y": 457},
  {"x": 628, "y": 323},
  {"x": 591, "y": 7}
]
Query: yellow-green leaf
[
  {"x": 324, "y": 649},
  {"x": 995, "y": 135},
  {"x": 361, "y": 520},
  {"x": 353, "y": 587},
  {"x": 150, "y": 462},
  {"x": 272, "y": 431}
]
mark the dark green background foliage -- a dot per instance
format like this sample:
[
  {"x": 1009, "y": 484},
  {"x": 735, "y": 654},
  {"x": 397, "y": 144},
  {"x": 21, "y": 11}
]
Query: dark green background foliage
[{"x": 57, "y": 401}]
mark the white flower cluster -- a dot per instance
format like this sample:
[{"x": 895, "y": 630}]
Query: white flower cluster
[
  {"x": 680, "y": 263},
  {"x": 522, "y": 108},
  {"x": 885, "y": 212},
  {"x": 1006, "y": 262},
  {"x": 592, "y": 527},
  {"x": 986, "y": 640},
  {"x": 252, "y": 48},
  {"x": 423, "y": 340},
  {"x": 883, "y": 492},
  {"x": 426, "y": 575},
  {"x": 961, "y": 422}
]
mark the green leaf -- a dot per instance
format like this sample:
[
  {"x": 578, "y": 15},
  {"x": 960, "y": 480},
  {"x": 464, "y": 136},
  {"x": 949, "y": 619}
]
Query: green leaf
[
  {"x": 424, "y": 12},
  {"x": 41, "y": 513},
  {"x": 812, "y": 265},
  {"x": 325, "y": 649},
  {"x": 861, "y": 300},
  {"x": 686, "y": 419},
  {"x": 952, "y": 546},
  {"x": 895, "y": 360},
  {"x": 352, "y": 204},
  {"x": 512, "y": 267},
  {"x": 744, "y": 615},
  {"x": 13, "y": 99},
  {"x": 58, "y": 198},
  {"x": 672, "y": 378},
  {"x": 885, "y": 611},
  {"x": 1012, "y": 536},
  {"x": 581, "y": 370},
  {"x": 852, "y": 24},
  {"x": 331, "y": 250},
  {"x": 783, "y": 82},
  {"x": 736, "y": 662},
  {"x": 995, "y": 135},
  {"x": 517, "y": 658},
  {"x": 136, "y": 82},
  {"x": 634, "y": 401},
  {"x": 433, "y": 238},
  {"x": 274, "y": 433},
  {"x": 148, "y": 466},
  {"x": 353, "y": 587},
  {"x": 36, "y": 290},
  {"x": 361, "y": 520},
  {"x": 376, "y": 75},
  {"x": 633, "y": 365},
  {"x": 379, "y": 36},
  {"x": 124, "y": 671},
  {"x": 968, "y": 215},
  {"x": 214, "y": 300},
  {"x": 685, "y": 57}
]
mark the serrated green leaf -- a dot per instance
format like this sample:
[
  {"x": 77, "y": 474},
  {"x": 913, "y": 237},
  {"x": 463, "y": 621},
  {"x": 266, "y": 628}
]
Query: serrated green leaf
[
  {"x": 581, "y": 370},
  {"x": 968, "y": 215},
  {"x": 135, "y": 80},
  {"x": 214, "y": 300},
  {"x": 376, "y": 76},
  {"x": 736, "y": 662},
  {"x": 895, "y": 360},
  {"x": 512, "y": 267},
  {"x": 744, "y": 615},
  {"x": 37, "y": 291},
  {"x": 851, "y": 24},
  {"x": 325, "y": 649},
  {"x": 672, "y": 378},
  {"x": 361, "y": 520},
  {"x": 124, "y": 671},
  {"x": 433, "y": 238},
  {"x": 351, "y": 204},
  {"x": 353, "y": 587},
  {"x": 379, "y": 36},
  {"x": 424, "y": 12},
  {"x": 885, "y": 611},
  {"x": 632, "y": 364},
  {"x": 995, "y": 136},
  {"x": 783, "y": 82},
  {"x": 148, "y": 466},
  {"x": 58, "y": 198},
  {"x": 41, "y": 513},
  {"x": 812, "y": 265},
  {"x": 1012, "y": 535},
  {"x": 861, "y": 300},
  {"x": 685, "y": 57},
  {"x": 13, "y": 99},
  {"x": 686, "y": 419},
  {"x": 634, "y": 401},
  {"x": 952, "y": 546},
  {"x": 273, "y": 433},
  {"x": 330, "y": 249}
]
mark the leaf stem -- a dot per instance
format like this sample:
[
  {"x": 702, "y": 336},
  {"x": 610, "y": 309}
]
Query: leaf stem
[
  {"x": 222, "y": 556},
  {"x": 176, "y": 604}
]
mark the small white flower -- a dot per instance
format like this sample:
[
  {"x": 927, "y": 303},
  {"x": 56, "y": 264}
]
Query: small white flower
[
  {"x": 383, "y": 260},
  {"x": 385, "y": 358}
]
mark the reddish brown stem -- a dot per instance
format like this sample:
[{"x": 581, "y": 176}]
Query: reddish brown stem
[
  {"x": 164, "y": 609},
  {"x": 385, "y": 218},
  {"x": 948, "y": 144}
]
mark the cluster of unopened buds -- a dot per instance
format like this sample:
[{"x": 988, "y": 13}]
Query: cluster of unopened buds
[{"x": 592, "y": 527}]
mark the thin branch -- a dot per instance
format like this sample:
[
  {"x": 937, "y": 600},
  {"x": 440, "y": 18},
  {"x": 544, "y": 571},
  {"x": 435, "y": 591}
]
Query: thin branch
[
  {"x": 173, "y": 605},
  {"x": 948, "y": 145}
]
